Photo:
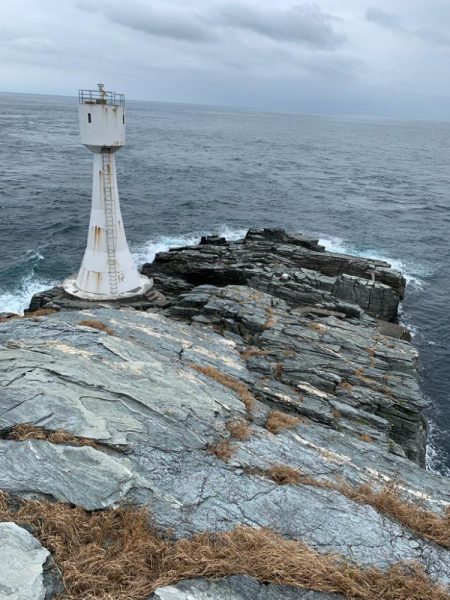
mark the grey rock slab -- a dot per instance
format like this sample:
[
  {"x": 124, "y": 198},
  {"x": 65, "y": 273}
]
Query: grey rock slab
[
  {"x": 22, "y": 560},
  {"x": 236, "y": 588},
  {"x": 80, "y": 475}
]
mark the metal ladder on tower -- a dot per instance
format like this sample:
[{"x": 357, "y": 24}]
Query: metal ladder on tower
[{"x": 110, "y": 219}]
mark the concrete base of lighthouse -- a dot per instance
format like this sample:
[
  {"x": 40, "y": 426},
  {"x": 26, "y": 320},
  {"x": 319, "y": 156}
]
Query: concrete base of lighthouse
[{"x": 70, "y": 287}]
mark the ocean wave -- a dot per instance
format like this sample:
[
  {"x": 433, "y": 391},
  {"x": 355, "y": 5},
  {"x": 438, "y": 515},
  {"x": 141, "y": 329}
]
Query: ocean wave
[
  {"x": 413, "y": 273},
  {"x": 17, "y": 299},
  {"x": 147, "y": 252},
  {"x": 434, "y": 460}
]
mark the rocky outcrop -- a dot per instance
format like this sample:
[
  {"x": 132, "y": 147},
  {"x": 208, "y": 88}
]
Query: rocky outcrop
[
  {"x": 271, "y": 323},
  {"x": 291, "y": 267},
  {"x": 341, "y": 372}
]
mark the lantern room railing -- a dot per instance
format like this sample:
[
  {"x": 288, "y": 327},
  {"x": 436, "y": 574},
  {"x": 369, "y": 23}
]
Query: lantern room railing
[{"x": 101, "y": 97}]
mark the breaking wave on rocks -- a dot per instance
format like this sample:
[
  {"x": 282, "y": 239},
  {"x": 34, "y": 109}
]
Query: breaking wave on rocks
[
  {"x": 413, "y": 273},
  {"x": 28, "y": 283},
  {"x": 147, "y": 252},
  {"x": 434, "y": 462}
]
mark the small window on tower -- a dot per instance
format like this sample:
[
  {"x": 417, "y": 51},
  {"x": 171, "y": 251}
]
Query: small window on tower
[
  {"x": 89, "y": 118},
  {"x": 123, "y": 119}
]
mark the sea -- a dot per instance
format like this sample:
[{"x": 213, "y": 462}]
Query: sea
[{"x": 373, "y": 187}]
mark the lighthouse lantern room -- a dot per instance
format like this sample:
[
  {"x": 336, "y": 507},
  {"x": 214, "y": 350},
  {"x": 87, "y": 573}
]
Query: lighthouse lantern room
[{"x": 107, "y": 271}]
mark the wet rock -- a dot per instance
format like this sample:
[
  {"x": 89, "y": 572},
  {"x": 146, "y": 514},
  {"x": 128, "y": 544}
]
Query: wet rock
[
  {"x": 292, "y": 267},
  {"x": 56, "y": 298},
  {"x": 213, "y": 240}
]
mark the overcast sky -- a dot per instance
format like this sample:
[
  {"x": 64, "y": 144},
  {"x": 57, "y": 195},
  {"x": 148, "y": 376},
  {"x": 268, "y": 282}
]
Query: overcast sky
[{"x": 374, "y": 57}]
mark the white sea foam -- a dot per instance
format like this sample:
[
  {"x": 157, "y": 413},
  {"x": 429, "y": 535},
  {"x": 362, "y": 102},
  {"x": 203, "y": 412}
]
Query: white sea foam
[
  {"x": 17, "y": 300},
  {"x": 433, "y": 459},
  {"x": 148, "y": 251},
  {"x": 413, "y": 273}
]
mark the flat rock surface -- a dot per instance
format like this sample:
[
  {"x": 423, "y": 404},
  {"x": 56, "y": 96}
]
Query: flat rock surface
[
  {"x": 22, "y": 560},
  {"x": 235, "y": 588}
]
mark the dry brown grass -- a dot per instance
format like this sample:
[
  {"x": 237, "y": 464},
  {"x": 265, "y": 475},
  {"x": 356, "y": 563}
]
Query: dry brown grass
[
  {"x": 97, "y": 325},
  {"x": 317, "y": 327},
  {"x": 278, "y": 371},
  {"x": 116, "y": 555},
  {"x": 345, "y": 385},
  {"x": 336, "y": 413},
  {"x": 239, "y": 429},
  {"x": 11, "y": 318},
  {"x": 271, "y": 319},
  {"x": 253, "y": 352},
  {"x": 284, "y": 475},
  {"x": 230, "y": 382},
  {"x": 389, "y": 501},
  {"x": 40, "y": 312},
  {"x": 223, "y": 450},
  {"x": 26, "y": 431},
  {"x": 278, "y": 421}
]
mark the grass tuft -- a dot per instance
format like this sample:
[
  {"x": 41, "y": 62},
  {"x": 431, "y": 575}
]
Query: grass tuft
[
  {"x": 40, "y": 312},
  {"x": 271, "y": 318},
  {"x": 284, "y": 475},
  {"x": 223, "y": 450},
  {"x": 319, "y": 327},
  {"x": 253, "y": 352},
  {"x": 345, "y": 385},
  {"x": 278, "y": 421},
  {"x": 26, "y": 431},
  {"x": 239, "y": 429},
  {"x": 97, "y": 325},
  {"x": 230, "y": 382},
  {"x": 389, "y": 501}
]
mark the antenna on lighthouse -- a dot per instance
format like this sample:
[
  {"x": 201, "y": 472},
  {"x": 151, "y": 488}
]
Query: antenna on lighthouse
[{"x": 107, "y": 271}]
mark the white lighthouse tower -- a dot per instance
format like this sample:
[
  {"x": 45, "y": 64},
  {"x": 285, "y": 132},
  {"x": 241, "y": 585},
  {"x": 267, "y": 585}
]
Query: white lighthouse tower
[{"x": 107, "y": 271}]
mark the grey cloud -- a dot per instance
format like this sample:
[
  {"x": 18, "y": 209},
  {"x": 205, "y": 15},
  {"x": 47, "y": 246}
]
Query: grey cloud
[
  {"x": 383, "y": 18},
  {"x": 163, "y": 22},
  {"x": 393, "y": 22},
  {"x": 304, "y": 23}
]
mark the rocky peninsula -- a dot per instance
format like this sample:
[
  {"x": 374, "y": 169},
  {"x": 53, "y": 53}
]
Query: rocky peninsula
[{"x": 252, "y": 429}]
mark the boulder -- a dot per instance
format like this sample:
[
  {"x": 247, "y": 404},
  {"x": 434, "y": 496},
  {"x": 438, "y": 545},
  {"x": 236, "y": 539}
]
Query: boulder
[{"x": 23, "y": 566}]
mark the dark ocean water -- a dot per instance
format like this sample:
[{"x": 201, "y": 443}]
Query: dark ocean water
[{"x": 368, "y": 186}]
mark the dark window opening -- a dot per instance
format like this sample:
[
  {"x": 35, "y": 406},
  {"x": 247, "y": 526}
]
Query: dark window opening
[
  {"x": 123, "y": 119},
  {"x": 89, "y": 118}
]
